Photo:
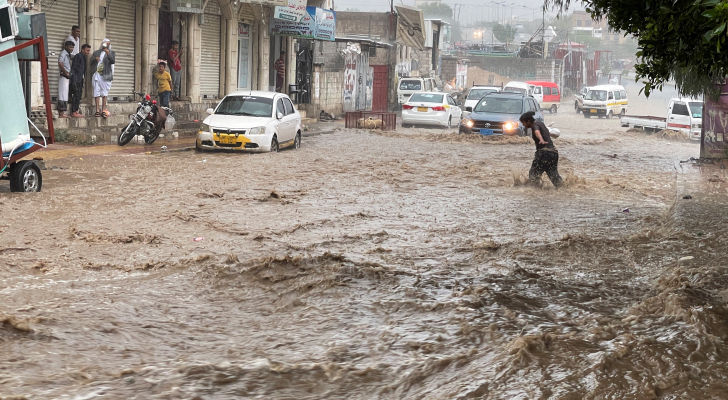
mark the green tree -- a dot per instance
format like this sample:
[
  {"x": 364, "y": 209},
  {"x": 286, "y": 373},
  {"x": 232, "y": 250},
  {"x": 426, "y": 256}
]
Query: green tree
[
  {"x": 504, "y": 33},
  {"x": 684, "y": 40},
  {"x": 437, "y": 10}
]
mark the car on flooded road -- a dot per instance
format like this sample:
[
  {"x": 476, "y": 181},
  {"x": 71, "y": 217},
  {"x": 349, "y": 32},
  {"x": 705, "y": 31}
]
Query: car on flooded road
[
  {"x": 476, "y": 93},
  {"x": 433, "y": 108},
  {"x": 499, "y": 113},
  {"x": 251, "y": 121}
]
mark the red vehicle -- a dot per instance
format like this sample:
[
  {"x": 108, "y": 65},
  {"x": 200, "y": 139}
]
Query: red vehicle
[{"x": 547, "y": 94}]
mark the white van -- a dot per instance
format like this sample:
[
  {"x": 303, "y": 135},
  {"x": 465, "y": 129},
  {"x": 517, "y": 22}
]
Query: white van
[
  {"x": 605, "y": 101},
  {"x": 517, "y": 87},
  {"x": 408, "y": 86}
]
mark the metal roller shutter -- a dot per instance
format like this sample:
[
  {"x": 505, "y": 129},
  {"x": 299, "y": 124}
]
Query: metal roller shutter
[
  {"x": 61, "y": 15},
  {"x": 120, "y": 29},
  {"x": 210, "y": 63}
]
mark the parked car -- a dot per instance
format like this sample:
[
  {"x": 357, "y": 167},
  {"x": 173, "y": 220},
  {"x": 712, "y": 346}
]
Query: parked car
[
  {"x": 408, "y": 86},
  {"x": 498, "y": 114},
  {"x": 476, "y": 93},
  {"x": 683, "y": 114},
  {"x": 579, "y": 99},
  {"x": 547, "y": 94},
  {"x": 253, "y": 121},
  {"x": 431, "y": 108},
  {"x": 605, "y": 101},
  {"x": 517, "y": 87}
]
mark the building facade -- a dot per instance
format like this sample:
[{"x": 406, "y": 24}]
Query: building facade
[{"x": 227, "y": 44}]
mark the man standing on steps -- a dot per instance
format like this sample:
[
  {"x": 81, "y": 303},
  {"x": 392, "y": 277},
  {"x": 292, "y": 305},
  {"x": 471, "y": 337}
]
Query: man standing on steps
[
  {"x": 280, "y": 67},
  {"x": 78, "y": 74},
  {"x": 103, "y": 74},
  {"x": 64, "y": 70},
  {"x": 74, "y": 37},
  {"x": 175, "y": 67}
]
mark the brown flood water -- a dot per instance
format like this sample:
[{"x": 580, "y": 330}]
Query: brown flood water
[{"x": 367, "y": 266}]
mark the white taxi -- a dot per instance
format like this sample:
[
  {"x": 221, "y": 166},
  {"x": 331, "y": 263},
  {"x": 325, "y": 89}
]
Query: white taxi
[
  {"x": 251, "y": 121},
  {"x": 431, "y": 108}
]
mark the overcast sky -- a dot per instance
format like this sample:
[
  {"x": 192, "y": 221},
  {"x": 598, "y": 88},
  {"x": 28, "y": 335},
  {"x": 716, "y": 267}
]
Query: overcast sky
[{"x": 472, "y": 10}]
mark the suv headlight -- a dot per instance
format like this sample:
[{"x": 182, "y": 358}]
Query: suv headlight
[
  {"x": 258, "y": 130},
  {"x": 509, "y": 126},
  {"x": 204, "y": 127},
  {"x": 468, "y": 122}
]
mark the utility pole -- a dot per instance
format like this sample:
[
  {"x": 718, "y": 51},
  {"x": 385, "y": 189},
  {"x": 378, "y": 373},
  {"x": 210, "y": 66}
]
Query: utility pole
[{"x": 545, "y": 47}]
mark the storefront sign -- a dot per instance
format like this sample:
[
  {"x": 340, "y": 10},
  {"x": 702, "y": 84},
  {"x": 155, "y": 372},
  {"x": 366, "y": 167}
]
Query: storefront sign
[
  {"x": 316, "y": 24},
  {"x": 270, "y": 3},
  {"x": 410, "y": 27},
  {"x": 294, "y": 12},
  {"x": 325, "y": 24},
  {"x": 714, "y": 143},
  {"x": 243, "y": 30},
  {"x": 186, "y": 6}
]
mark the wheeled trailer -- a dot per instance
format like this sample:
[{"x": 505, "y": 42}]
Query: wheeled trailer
[{"x": 24, "y": 175}]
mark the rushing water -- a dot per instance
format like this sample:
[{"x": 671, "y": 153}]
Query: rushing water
[{"x": 408, "y": 265}]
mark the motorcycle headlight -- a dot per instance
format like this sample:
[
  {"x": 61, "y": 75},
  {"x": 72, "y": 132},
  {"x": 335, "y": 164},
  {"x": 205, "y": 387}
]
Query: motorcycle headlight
[
  {"x": 147, "y": 109},
  {"x": 204, "y": 127},
  {"x": 468, "y": 122},
  {"x": 258, "y": 130}
]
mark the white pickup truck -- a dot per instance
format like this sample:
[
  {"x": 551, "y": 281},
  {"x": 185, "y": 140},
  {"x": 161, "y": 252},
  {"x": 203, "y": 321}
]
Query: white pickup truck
[{"x": 683, "y": 114}]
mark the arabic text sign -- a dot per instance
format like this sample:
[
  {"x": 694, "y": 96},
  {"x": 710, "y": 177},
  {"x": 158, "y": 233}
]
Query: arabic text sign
[
  {"x": 295, "y": 11},
  {"x": 316, "y": 24},
  {"x": 410, "y": 27}
]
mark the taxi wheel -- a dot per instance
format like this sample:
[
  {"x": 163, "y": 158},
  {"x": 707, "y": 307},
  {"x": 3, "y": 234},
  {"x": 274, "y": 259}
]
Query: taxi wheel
[
  {"x": 576, "y": 106},
  {"x": 297, "y": 141},
  {"x": 274, "y": 145},
  {"x": 610, "y": 115},
  {"x": 449, "y": 123}
]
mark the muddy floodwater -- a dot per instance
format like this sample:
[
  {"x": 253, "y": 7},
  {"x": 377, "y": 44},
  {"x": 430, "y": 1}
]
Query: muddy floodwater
[{"x": 407, "y": 265}]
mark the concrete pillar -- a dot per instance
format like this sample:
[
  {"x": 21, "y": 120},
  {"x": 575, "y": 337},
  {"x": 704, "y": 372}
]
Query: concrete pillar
[
  {"x": 150, "y": 33},
  {"x": 95, "y": 31},
  {"x": 264, "y": 50},
  {"x": 194, "y": 54},
  {"x": 254, "y": 59},
  {"x": 290, "y": 64},
  {"x": 229, "y": 59}
]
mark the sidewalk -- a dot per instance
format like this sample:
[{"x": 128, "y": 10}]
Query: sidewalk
[{"x": 69, "y": 150}]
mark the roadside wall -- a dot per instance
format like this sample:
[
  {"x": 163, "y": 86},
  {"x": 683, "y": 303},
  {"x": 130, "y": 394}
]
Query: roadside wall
[{"x": 520, "y": 69}]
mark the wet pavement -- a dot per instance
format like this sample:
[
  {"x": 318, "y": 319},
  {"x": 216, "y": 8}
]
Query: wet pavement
[{"x": 408, "y": 264}]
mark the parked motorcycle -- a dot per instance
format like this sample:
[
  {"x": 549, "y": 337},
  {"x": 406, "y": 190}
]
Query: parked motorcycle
[{"x": 148, "y": 121}]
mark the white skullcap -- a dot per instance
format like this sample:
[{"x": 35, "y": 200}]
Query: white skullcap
[{"x": 106, "y": 40}]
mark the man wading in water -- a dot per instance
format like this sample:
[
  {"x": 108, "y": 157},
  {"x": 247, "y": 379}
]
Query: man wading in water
[{"x": 546, "y": 158}]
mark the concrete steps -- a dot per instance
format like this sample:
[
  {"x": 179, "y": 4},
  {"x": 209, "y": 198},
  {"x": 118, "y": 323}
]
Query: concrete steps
[{"x": 90, "y": 129}]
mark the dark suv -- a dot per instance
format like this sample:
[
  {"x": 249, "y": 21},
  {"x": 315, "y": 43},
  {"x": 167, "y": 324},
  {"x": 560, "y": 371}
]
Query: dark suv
[{"x": 498, "y": 113}]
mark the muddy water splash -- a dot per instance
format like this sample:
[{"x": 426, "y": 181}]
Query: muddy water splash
[{"x": 366, "y": 266}]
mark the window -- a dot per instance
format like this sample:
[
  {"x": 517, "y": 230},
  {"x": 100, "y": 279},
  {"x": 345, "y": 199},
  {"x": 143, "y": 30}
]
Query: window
[
  {"x": 410, "y": 84},
  {"x": 477, "y": 94},
  {"x": 280, "y": 107},
  {"x": 555, "y": 91},
  {"x": 623, "y": 93},
  {"x": 680, "y": 109},
  {"x": 578, "y": 22},
  {"x": 617, "y": 95},
  {"x": 289, "y": 106},
  {"x": 534, "y": 105},
  {"x": 501, "y": 106},
  {"x": 451, "y": 101},
  {"x": 428, "y": 86},
  {"x": 426, "y": 98},
  {"x": 246, "y": 105},
  {"x": 547, "y": 91},
  {"x": 537, "y": 90},
  {"x": 611, "y": 96},
  {"x": 697, "y": 109},
  {"x": 587, "y": 22},
  {"x": 599, "y": 95}
]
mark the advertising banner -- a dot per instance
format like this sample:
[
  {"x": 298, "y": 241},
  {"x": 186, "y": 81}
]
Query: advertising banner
[
  {"x": 295, "y": 11},
  {"x": 325, "y": 24},
  {"x": 715, "y": 126},
  {"x": 271, "y": 3},
  {"x": 410, "y": 27},
  {"x": 316, "y": 24}
]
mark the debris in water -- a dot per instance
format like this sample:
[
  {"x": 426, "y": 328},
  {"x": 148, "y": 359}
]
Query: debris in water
[
  {"x": 164, "y": 148},
  {"x": 198, "y": 239},
  {"x": 626, "y": 210},
  {"x": 687, "y": 197}
]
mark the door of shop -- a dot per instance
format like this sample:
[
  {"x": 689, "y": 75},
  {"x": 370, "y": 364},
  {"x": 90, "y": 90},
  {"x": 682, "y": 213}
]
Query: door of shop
[
  {"x": 381, "y": 87},
  {"x": 210, "y": 63},
  {"x": 244, "y": 67}
]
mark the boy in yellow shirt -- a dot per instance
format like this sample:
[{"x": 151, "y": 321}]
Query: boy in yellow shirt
[{"x": 164, "y": 80}]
